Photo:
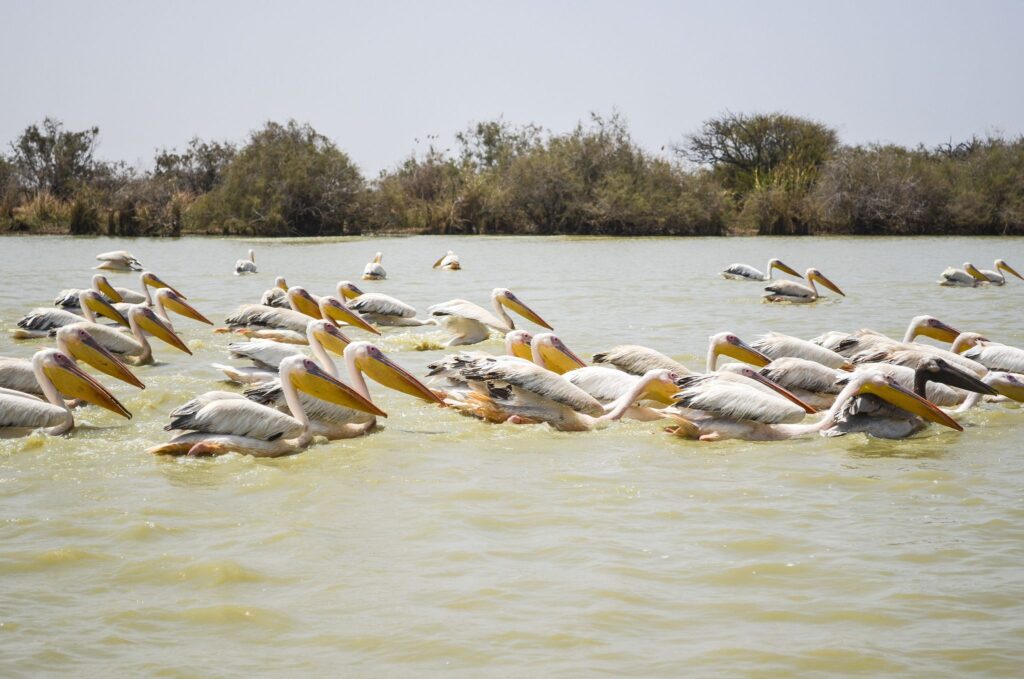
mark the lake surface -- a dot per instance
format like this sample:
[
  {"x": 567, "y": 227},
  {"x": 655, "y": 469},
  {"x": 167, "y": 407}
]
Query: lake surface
[{"x": 440, "y": 544}]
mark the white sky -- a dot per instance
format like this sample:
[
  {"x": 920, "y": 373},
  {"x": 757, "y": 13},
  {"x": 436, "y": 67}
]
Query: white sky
[{"x": 374, "y": 77}]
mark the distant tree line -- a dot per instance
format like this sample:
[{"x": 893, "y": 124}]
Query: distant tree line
[{"x": 739, "y": 173}]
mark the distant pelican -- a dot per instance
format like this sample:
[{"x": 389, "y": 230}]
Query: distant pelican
[
  {"x": 381, "y": 309},
  {"x": 276, "y": 296},
  {"x": 56, "y": 374},
  {"x": 449, "y": 262},
  {"x": 800, "y": 293},
  {"x": 745, "y": 272},
  {"x": 374, "y": 271},
  {"x": 967, "y": 277},
  {"x": 118, "y": 260},
  {"x": 246, "y": 266},
  {"x": 996, "y": 277},
  {"x": 470, "y": 323}
]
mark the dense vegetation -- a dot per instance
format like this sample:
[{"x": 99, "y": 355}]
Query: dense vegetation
[{"x": 764, "y": 174}]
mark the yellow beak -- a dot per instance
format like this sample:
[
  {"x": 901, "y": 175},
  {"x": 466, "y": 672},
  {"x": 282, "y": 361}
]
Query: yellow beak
[
  {"x": 526, "y": 312},
  {"x": 107, "y": 289},
  {"x": 1009, "y": 269},
  {"x": 782, "y": 267},
  {"x": 973, "y": 270},
  {"x": 101, "y": 307},
  {"x": 154, "y": 281},
  {"x": 349, "y": 291},
  {"x": 333, "y": 339},
  {"x": 315, "y": 382},
  {"x": 304, "y": 303},
  {"x": 820, "y": 278},
  {"x": 85, "y": 348},
  {"x": 383, "y": 370},
  {"x": 1010, "y": 387},
  {"x": 283, "y": 285},
  {"x": 559, "y": 359},
  {"x": 907, "y": 400},
  {"x": 742, "y": 351},
  {"x": 152, "y": 324},
  {"x": 438, "y": 262},
  {"x": 337, "y": 311},
  {"x": 936, "y": 329},
  {"x": 522, "y": 350},
  {"x": 174, "y": 302},
  {"x": 662, "y": 390},
  {"x": 72, "y": 381}
]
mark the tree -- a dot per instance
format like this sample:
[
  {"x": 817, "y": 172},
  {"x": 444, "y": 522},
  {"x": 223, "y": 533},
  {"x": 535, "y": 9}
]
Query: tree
[
  {"x": 49, "y": 158},
  {"x": 198, "y": 169}
]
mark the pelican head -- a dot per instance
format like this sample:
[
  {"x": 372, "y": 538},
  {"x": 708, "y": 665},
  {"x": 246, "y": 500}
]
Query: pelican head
[
  {"x": 305, "y": 375},
  {"x": 303, "y": 302},
  {"x": 334, "y": 309},
  {"x": 72, "y": 381},
  {"x": 348, "y": 290},
  {"x": 777, "y": 264},
  {"x": 371, "y": 361},
  {"x": 329, "y": 336},
  {"x": 517, "y": 343},
  {"x": 886, "y": 388},
  {"x": 152, "y": 280},
  {"x": 967, "y": 340},
  {"x": 929, "y": 326},
  {"x": 661, "y": 386},
  {"x": 94, "y": 301},
  {"x": 377, "y": 258},
  {"x": 1007, "y": 384},
  {"x": 147, "y": 320},
  {"x": 508, "y": 299},
  {"x": 728, "y": 344},
  {"x": 80, "y": 345},
  {"x": 1001, "y": 264},
  {"x": 280, "y": 282},
  {"x": 818, "y": 277},
  {"x": 973, "y": 270},
  {"x": 100, "y": 282},
  {"x": 173, "y": 301},
  {"x": 937, "y": 369},
  {"x": 553, "y": 354}
]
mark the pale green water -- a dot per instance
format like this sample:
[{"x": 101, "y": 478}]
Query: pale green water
[{"x": 441, "y": 544}]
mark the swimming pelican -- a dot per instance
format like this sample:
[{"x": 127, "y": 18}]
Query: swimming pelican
[
  {"x": 995, "y": 276},
  {"x": 800, "y": 293},
  {"x": 167, "y": 299},
  {"x": 775, "y": 345},
  {"x": 56, "y": 374},
  {"x": 338, "y": 422},
  {"x": 449, "y": 262},
  {"x": 745, "y": 272},
  {"x": 41, "y": 321},
  {"x": 134, "y": 347},
  {"x": 374, "y": 271},
  {"x": 608, "y": 385},
  {"x": 276, "y": 296},
  {"x": 68, "y": 299},
  {"x": 810, "y": 381},
  {"x": 741, "y": 394},
  {"x": 714, "y": 427},
  {"x": 289, "y": 325},
  {"x": 967, "y": 277},
  {"x": 224, "y": 424},
  {"x": 77, "y": 344},
  {"x": 246, "y": 266},
  {"x": 469, "y": 323},
  {"x": 992, "y": 355},
  {"x": 850, "y": 344},
  {"x": 380, "y": 309},
  {"x": 636, "y": 360},
  {"x": 118, "y": 260},
  {"x": 266, "y": 355}
]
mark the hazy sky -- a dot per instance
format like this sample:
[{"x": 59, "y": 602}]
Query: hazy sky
[{"x": 374, "y": 77}]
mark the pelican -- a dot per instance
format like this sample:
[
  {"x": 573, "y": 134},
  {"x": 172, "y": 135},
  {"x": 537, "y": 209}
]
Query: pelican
[
  {"x": 469, "y": 323},
  {"x": 68, "y": 299},
  {"x": 374, "y": 271},
  {"x": 246, "y": 266},
  {"x": 167, "y": 299},
  {"x": 608, "y": 385},
  {"x": 745, "y": 272},
  {"x": 135, "y": 347},
  {"x": 276, "y": 296},
  {"x": 147, "y": 280},
  {"x": 380, "y": 309},
  {"x": 992, "y": 355},
  {"x": 967, "y": 277},
  {"x": 118, "y": 260},
  {"x": 850, "y": 344},
  {"x": 289, "y": 325},
  {"x": 56, "y": 374},
  {"x": 810, "y": 381},
  {"x": 232, "y": 423},
  {"x": 800, "y": 293},
  {"x": 934, "y": 378},
  {"x": 267, "y": 355},
  {"x": 41, "y": 321},
  {"x": 714, "y": 427},
  {"x": 636, "y": 360},
  {"x": 449, "y": 262},
  {"x": 339, "y": 422},
  {"x": 77, "y": 344},
  {"x": 995, "y": 276},
  {"x": 775, "y": 345}
]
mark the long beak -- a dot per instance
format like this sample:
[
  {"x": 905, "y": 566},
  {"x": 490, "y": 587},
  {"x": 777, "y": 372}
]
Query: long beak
[
  {"x": 333, "y": 339},
  {"x": 155, "y": 281},
  {"x": 86, "y": 348},
  {"x": 783, "y": 392},
  {"x": 383, "y": 370},
  {"x": 973, "y": 270},
  {"x": 438, "y": 262},
  {"x": 1009, "y": 386},
  {"x": 336, "y": 310},
  {"x": 107, "y": 289},
  {"x": 828, "y": 284},
  {"x": 349, "y": 291},
  {"x": 782, "y": 267},
  {"x": 377, "y": 258},
  {"x": 742, "y": 351},
  {"x": 523, "y": 350},
  {"x": 525, "y": 311},
  {"x": 174, "y": 302},
  {"x": 907, "y": 400},
  {"x": 953, "y": 376},
  {"x": 156, "y": 327},
  {"x": 304, "y": 303},
  {"x": 315, "y": 382},
  {"x": 936, "y": 329},
  {"x": 1009, "y": 269},
  {"x": 662, "y": 390},
  {"x": 559, "y": 358},
  {"x": 101, "y": 307},
  {"x": 72, "y": 381}
]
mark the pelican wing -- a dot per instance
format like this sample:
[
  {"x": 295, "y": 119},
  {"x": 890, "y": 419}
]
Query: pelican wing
[
  {"x": 790, "y": 289},
  {"x": 262, "y": 316},
  {"x": 16, "y": 374},
  {"x": 245, "y": 266},
  {"x": 776, "y": 345},
  {"x": 263, "y": 352},
  {"x": 537, "y": 381},
  {"x": 381, "y": 305},
  {"x": 47, "y": 318},
  {"x": 743, "y": 271},
  {"x": 130, "y": 296},
  {"x": 734, "y": 400},
  {"x": 957, "y": 277},
  {"x": 22, "y": 410},
  {"x": 603, "y": 383},
  {"x": 1001, "y": 357},
  {"x": 799, "y": 373},
  {"x": 275, "y": 297},
  {"x": 637, "y": 360},
  {"x": 461, "y": 308},
  {"x": 236, "y": 417},
  {"x": 121, "y": 258},
  {"x": 271, "y": 394},
  {"x": 112, "y": 338}
]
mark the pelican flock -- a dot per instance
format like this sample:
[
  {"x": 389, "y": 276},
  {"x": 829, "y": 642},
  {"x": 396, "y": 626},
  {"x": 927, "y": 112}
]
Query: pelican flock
[{"x": 291, "y": 394}]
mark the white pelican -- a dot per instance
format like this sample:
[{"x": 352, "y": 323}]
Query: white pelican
[
  {"x": 992, "y": 355},
  {"x": 41, "y": 321},
  {"x": 374, "y": 271},
  {"x": 246, "y": 266},
  {"x": 380, "y": 309},
  {"x": 934, "y": 378},
  {"x": 147, "y": 280},
  {"x": 68, "y": 299},
  {"x": 276, "y": 296},
  {"x": 469, "y": 323},
  {"x": 713, "y": 427},
  {"x": 266, "y": 355},
  {"x": 135, "y": 347},
  {"x": 810, "y": 381},
  {"x": 167, "y": 299},
  {"x": 967, "y": 277},
  {"x": 338, "y": 422},
  {"x": 775, "y": 345},
  {"x": 850, "y": 344},
  {"x": 55, "y": 374},
  {"x": 223, "y": 424},
  {"x": 741, "y": 394},
  {"x": 637, "y": 360},
  {"x": 118, "y": 260},
  {"x": 800, "y": 293},
  {"x": 745, "y": 272},
  {"x": 290, "y": 324},
  {"x": 449, "y": 262},
  {"x": 995, "y": 276},
  {"x": 77, "y": 344},
  {"x": 608, "y": 385},
  {"x": 1008, "y": 385}
]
